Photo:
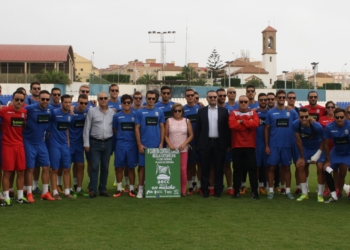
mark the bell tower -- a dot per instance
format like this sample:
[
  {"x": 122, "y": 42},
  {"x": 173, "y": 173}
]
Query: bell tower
[{"x": 269, "y": 53}]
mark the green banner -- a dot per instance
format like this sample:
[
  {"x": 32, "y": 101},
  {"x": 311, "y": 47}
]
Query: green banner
[{"x": 162, "y": 173}]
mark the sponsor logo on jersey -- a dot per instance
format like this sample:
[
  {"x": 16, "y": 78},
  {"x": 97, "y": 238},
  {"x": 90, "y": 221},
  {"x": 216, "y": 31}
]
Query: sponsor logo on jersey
[
  {"x": 288, "y": 114},
  {"x": 346, "y": 131}
]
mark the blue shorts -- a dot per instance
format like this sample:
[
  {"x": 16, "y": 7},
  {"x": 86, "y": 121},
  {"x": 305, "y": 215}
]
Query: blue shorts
[
  {"x": 36, "y": 155},
  {"x": 228, "y": 156},
  {"x": 261, "y": 156},
  {"x": 59, "y": 157},
  {"x": 125, "y": 157},
  {"x": 322, "y": 157},
  {"x": 77, "y": 153},
  {"x": 336, "y": 160},
  {"x": 295, "y": 153},
  {"x": 193, "y": 156},
  {"x": 281, "y": 156}
]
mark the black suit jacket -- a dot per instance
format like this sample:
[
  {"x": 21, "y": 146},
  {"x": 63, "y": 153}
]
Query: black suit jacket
[{"x": 202, "y": 128}]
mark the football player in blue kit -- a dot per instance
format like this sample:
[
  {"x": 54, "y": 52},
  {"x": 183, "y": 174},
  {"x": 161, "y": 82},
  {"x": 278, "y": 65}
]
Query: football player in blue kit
[
  {"x": 76, "y": 147},
  {"x": 59, "y": 145},
  {"x": 165, "y": 104},
  {"x": 38, "y": 121},
  {"x": 261, "y": 156},
  {"x": 55, "y": 98},
  {"x": 190, "y": 112},
  {"x": 309, "y": 143},
  {"x": 339, "y": 158},
  {"x": 126, "y": 148},
  {"x": 113, "y": 101},
  {"x": 278, "y": 124},
  {"x": 149, "y": 131}
]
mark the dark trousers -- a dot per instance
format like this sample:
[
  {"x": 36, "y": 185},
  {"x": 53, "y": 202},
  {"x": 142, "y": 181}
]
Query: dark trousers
[
  {"x": 212, "y": 155},
  {"x": 244, "y": 157},
  {"x": 100, "y": 154}
]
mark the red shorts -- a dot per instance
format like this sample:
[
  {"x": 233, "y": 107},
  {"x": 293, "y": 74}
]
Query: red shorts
[{"x": 13, "y": 158}]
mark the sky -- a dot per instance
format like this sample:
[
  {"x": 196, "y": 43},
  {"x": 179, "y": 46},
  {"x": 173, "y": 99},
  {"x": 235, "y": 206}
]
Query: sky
[{"x": 117, "y": 31}]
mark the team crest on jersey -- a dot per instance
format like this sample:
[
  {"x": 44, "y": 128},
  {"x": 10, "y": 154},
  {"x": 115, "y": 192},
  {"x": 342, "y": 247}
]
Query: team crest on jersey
[
  {"x": 346, "y": 131},
  {"x": 133, "y": 119},
  {"x": 156, "y": 113},
  {"x": 197, "y": 110},
  {"x": 318, "y": 111},
  {"x": 84, "y": 114},
  {"x": 23, "y": 115},
  {"x": 69, "y": 118},
  {"x": 120, "y": 106},
  {"x": 48, "y": 111},
  {"x": 288, "y": 114}
]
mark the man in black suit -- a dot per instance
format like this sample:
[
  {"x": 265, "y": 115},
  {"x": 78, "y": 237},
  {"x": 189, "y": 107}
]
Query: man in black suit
[{"x": 213, "y": 140}]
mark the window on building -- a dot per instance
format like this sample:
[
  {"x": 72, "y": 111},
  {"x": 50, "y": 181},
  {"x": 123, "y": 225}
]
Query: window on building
[
  {"x": 270, "y": 58},
  {"x": 81, "y": 69},
  {"x": 270, "y": 81}
]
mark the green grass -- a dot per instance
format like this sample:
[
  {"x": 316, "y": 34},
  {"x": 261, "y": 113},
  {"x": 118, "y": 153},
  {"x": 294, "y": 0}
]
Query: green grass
[{"x": 184, "y": 223}]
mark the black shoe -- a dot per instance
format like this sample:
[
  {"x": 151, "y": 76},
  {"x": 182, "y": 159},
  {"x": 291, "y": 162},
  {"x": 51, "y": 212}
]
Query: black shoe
[
  {"x": 255, "y": 196},
  {"x": 235, "y": 196},
  {"x": 92, "y": 195},
  {"x": 75, "y": 188},
  {"x": 218, "y": 195},
  {"x": 205, "y": 195},
  {"x": 194, "y": 184},
  {"x": 104, "y": 194}
]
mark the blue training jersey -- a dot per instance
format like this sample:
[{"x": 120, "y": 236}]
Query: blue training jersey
[
  {"x": 339, "y": 136},
  {"x": 56, "y": 106},
  {"x": 38, "y": 121},
  {"x": 310, "y": 136},
  {"x": 260, "y": 131},
  {"x": 166, "y": 107},
  {"x": 117, "y": 105},
  {"x": 231, "y": 108},
  {"x": 125, "y": 126},
  {"x": 30, "y": 101},
  {"x": 281, "y": 133},
  {"x": 149, "y": 121},
  {"x": 255, "y": 105},
  {"x": 60, "y": 122},
  {"x": 76, "y": 127},
  {"x": 191, "y": 114}
]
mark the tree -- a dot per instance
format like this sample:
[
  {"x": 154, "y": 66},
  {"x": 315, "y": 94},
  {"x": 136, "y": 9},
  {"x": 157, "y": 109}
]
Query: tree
[
  {"x": 214, "y": 63},
  {"x": 257, "y": 83},
  {"x": 53, "y": 77},
  {"x": 188, "y": 73},
  {"x": 199, "y": 82},
  {"x": 145, "y": 79},
  {"x": 300, "y": 82}
]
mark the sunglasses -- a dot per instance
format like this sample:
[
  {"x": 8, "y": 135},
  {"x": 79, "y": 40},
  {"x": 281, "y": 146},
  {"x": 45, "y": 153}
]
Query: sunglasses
[
  {"x": 165, "y": 93},
  {"x": 281, "y": 97},
  {"x": 313, "y": 96},
  {"x": 250, "y": 91},
  {"x": 115, "y": 90},
  {"x": 103, "y": 98},
  {"x": 232, "y": 92},
  {"x": 348, "y": 112},
  {"x": 303, "y": 116},
  {"x": 241, "y": 102},
  {"x": 292, "y": 98},
  {"x": 330, "y": 107},
  {"x": 19, "y": 100},
  {"x": 36, "y": 88},
  {"x": 339, "y": 117},
  {"x": 270, "y": 99},
  {"x": 177, "y": 111},
  {"x": 56, "y": 94},
  {"x": 191, "y": 95},
  {"x": 151, "y": 98},
  {"x": 83, "y": 103},
  {"x": 45, "y": 99},
  {"x": 138, "y": 98},
  {"x": 85, "y": 91},
  {"x": 222, "y": 95},
  {"x": 262, "y": 100},
  {"x": 212, "y": 97},
  {"x": 197, "y": 98},
  {"x": 126, "y": 103}
]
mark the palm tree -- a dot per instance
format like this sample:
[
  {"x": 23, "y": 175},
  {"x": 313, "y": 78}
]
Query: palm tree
[{"x": 145, "y": 79}]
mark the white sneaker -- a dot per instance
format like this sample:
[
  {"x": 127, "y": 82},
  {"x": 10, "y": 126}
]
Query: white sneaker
[{"x": 139, "y": 194}]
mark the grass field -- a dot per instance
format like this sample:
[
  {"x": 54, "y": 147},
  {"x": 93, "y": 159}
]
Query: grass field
[{"x": 184, "y": 223}]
